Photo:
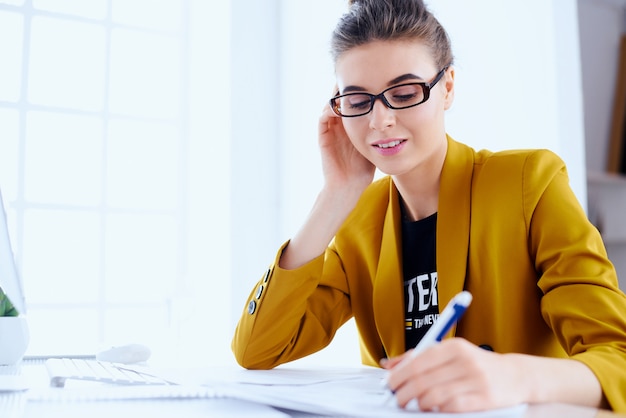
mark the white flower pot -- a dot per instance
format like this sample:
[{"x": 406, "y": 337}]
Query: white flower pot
[{"x": 14, "y": 339}]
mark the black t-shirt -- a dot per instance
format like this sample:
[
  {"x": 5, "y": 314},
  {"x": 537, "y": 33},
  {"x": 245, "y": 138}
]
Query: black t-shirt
[{"x": 421, "y": 301}]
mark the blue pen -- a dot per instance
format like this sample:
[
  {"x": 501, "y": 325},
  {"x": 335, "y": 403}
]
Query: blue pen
[{"x": 450, "y": 315}]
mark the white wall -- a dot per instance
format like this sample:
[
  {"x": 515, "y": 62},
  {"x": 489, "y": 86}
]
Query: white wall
[
  {"x": 518, "y": 86},
  {"x": 518, "y": 77},
  {"x": 255, "y": 146},
  {"x": 203, "y": 335}
]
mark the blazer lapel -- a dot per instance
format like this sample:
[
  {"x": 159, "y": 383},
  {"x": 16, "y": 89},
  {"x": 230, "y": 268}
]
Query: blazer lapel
[
  {"x": 453, "y": 221},
  {"x": 388, "y": 295}
]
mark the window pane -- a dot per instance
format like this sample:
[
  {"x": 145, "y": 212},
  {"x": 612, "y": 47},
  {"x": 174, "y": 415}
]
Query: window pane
[
  {"x": 142, "y": 165},
  {"x": 94, "y": 9},
  {"x": 9, "y": 153},
  {"x": 164, "y": 14},
  {"x": 141, "y": 258},
  {"x": 61, "y": 256},
  {"x": 67, "y": 64},
  {"x": 63, "y": 159},
  {"x": 11, "y": 45},
  {"x": 145, "y": 74}
]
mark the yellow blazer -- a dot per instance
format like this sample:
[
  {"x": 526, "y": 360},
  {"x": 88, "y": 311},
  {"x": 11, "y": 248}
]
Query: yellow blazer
[{"x": 509, "y": 230}]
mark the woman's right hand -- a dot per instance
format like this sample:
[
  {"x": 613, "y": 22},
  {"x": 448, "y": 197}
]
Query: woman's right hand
[{"x": 343, "y": 166}]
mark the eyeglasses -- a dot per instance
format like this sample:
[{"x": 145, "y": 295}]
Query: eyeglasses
[{"x": 401, "y": 96}]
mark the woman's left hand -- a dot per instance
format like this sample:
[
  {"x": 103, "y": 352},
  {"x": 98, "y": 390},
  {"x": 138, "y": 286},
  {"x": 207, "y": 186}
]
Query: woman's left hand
[{"x": 456, "y": 376}]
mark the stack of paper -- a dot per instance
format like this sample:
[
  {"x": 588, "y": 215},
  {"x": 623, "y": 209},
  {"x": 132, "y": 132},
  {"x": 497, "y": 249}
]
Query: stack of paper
[{"x": 336, "y": 392}]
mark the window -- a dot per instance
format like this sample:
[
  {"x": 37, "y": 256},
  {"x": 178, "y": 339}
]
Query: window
[{"x": 104, "y": 171}]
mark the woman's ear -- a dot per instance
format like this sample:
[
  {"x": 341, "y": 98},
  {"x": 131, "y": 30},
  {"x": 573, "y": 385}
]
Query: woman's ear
[{"x": 449, "y": 85}]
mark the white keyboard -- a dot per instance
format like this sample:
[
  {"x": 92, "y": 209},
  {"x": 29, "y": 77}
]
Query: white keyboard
[{"x": 62, "y": 369}]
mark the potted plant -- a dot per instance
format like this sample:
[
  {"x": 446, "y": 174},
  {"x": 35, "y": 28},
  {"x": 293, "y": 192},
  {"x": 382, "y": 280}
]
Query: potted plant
[{"x": 14, "y": 335}]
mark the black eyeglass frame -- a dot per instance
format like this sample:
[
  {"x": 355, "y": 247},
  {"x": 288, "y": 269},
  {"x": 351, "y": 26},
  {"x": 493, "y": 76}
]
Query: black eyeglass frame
[{"x": 426, "y": 87}]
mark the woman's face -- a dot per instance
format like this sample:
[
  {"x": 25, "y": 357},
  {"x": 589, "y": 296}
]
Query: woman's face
[{"x": 396, "y": 141}]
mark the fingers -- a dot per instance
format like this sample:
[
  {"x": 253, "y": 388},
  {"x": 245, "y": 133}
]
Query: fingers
[
  {"x": 453, "y": 376},
  {"x": 327, "y": 119},
  {"x": 454, "y": 397},
  {"x": 435, "y": 388},
  {"x": 327, "y": 110},
  {"x": 389, "y": 363},
  {"x": 411, "y": 377}
]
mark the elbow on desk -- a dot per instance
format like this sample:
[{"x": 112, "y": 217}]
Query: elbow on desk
[
  {"x": 249, "y": 358},
  {"x": 252, "y": 362},
  {"x": 251, "y": 365}
]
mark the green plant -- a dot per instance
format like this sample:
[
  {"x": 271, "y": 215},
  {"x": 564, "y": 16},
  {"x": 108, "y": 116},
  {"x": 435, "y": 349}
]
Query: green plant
[{"x": 6, "y": 307}]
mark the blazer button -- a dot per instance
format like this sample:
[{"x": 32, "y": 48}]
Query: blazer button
[
  {"x": 486, "y": 347},
  {"x": 251, "y": 307},
  {"x": 267, "y": 275},
  {"x": 259, "y": 291}
]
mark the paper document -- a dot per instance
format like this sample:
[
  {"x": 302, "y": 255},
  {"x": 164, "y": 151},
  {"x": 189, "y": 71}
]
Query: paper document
[
  {"x": 287, "y": 376},
  {"x": 336, "y": 392},
  {"x": 351, "y": 393},
  {"x": 223, "y": 408}
]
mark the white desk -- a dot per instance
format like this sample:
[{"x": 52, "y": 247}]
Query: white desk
[{"x": 18, "y": 405}]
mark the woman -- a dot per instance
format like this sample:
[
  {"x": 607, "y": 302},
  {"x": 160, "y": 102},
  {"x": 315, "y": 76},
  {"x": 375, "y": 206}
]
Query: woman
[{"x": 547, "y": 322}]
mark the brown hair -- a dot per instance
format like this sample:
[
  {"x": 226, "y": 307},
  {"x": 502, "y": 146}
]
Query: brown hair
[{"x": 390, "y": 20}]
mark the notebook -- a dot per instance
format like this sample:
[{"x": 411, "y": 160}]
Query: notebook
[{"x": 9, "y": 279}]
